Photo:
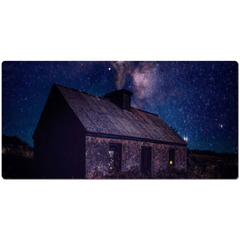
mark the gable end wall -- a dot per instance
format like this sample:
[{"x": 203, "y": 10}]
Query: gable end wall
[{"x": 56, "y": 140}]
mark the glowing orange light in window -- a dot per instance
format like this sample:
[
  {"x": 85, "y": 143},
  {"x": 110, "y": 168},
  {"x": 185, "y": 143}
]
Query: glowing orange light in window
[{"x": 171, "y": 162}]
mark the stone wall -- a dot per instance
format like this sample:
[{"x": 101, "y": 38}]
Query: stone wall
[{"x": 97, "y": 155}]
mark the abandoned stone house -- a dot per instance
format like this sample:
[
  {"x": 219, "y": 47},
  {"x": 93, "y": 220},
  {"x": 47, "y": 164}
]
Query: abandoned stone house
[{"x": 79, "y": 133}]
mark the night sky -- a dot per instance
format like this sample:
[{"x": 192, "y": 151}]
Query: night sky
[{"x": 199, "y": 99}]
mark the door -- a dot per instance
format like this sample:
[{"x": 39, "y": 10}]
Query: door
[{"x": 146, "y": 160}]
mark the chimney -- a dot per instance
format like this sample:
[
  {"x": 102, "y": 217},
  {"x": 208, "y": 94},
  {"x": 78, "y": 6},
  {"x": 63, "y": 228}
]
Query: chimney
[{"x": 122, "y": 98}]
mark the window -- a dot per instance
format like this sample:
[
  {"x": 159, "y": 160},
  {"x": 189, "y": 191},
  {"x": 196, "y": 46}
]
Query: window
[
  {"x": 171, "y": 156},
  {"x": 146, "y": 160},
  {"x": 115, "y": 157}
]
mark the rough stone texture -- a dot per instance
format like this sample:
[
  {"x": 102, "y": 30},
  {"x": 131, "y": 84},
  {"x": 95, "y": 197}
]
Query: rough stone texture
[{"x": 97, "y": 155}]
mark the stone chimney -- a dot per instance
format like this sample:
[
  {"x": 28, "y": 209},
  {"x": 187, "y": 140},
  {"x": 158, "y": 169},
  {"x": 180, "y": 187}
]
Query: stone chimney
[{"x": 122, "y": 98}]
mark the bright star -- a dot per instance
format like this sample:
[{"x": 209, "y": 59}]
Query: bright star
[{"x": 109, "y": 69}]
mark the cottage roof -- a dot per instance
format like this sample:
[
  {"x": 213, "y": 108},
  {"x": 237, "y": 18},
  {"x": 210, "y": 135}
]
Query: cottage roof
[{"x": 100, "y": 116}]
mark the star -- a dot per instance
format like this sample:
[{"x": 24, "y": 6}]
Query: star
[{"x": 193, "y": 97}]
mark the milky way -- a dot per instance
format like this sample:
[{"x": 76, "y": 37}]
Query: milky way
[{"x": 198, "y": 99}]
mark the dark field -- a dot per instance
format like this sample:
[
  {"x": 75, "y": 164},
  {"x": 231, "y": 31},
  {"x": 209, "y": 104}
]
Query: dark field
[
  {"x": 18, "y": 163},
  {"x": 211, "y": 165}
]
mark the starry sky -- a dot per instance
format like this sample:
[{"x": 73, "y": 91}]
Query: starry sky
[{"x": 198, "y": 99}]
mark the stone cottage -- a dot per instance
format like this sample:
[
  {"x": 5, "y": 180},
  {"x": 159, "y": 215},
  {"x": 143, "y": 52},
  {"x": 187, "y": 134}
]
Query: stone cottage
[{"x": 79, "y": 133}]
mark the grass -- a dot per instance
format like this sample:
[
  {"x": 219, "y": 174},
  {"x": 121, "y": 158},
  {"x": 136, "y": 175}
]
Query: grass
[{"x": 18, "y": 163}]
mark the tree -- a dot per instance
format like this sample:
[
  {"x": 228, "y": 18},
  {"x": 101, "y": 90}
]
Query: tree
[{"x": 13, "y": 140}]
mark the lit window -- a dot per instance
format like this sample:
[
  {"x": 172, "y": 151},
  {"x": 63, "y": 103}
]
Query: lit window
[{"x": 171, "y": 156}]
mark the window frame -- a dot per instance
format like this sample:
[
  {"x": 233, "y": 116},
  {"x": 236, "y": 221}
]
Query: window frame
[
  {"x": 172, "y": 157},
  {"x": 117, "y": 164}
]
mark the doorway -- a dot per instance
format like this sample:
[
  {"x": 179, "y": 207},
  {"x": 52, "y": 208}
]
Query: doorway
[{"x": 146, "y": 160}]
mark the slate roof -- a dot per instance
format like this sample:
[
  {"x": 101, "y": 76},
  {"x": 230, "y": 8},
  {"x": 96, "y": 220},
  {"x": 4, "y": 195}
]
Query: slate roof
[{"x": 99, "y": 115}]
